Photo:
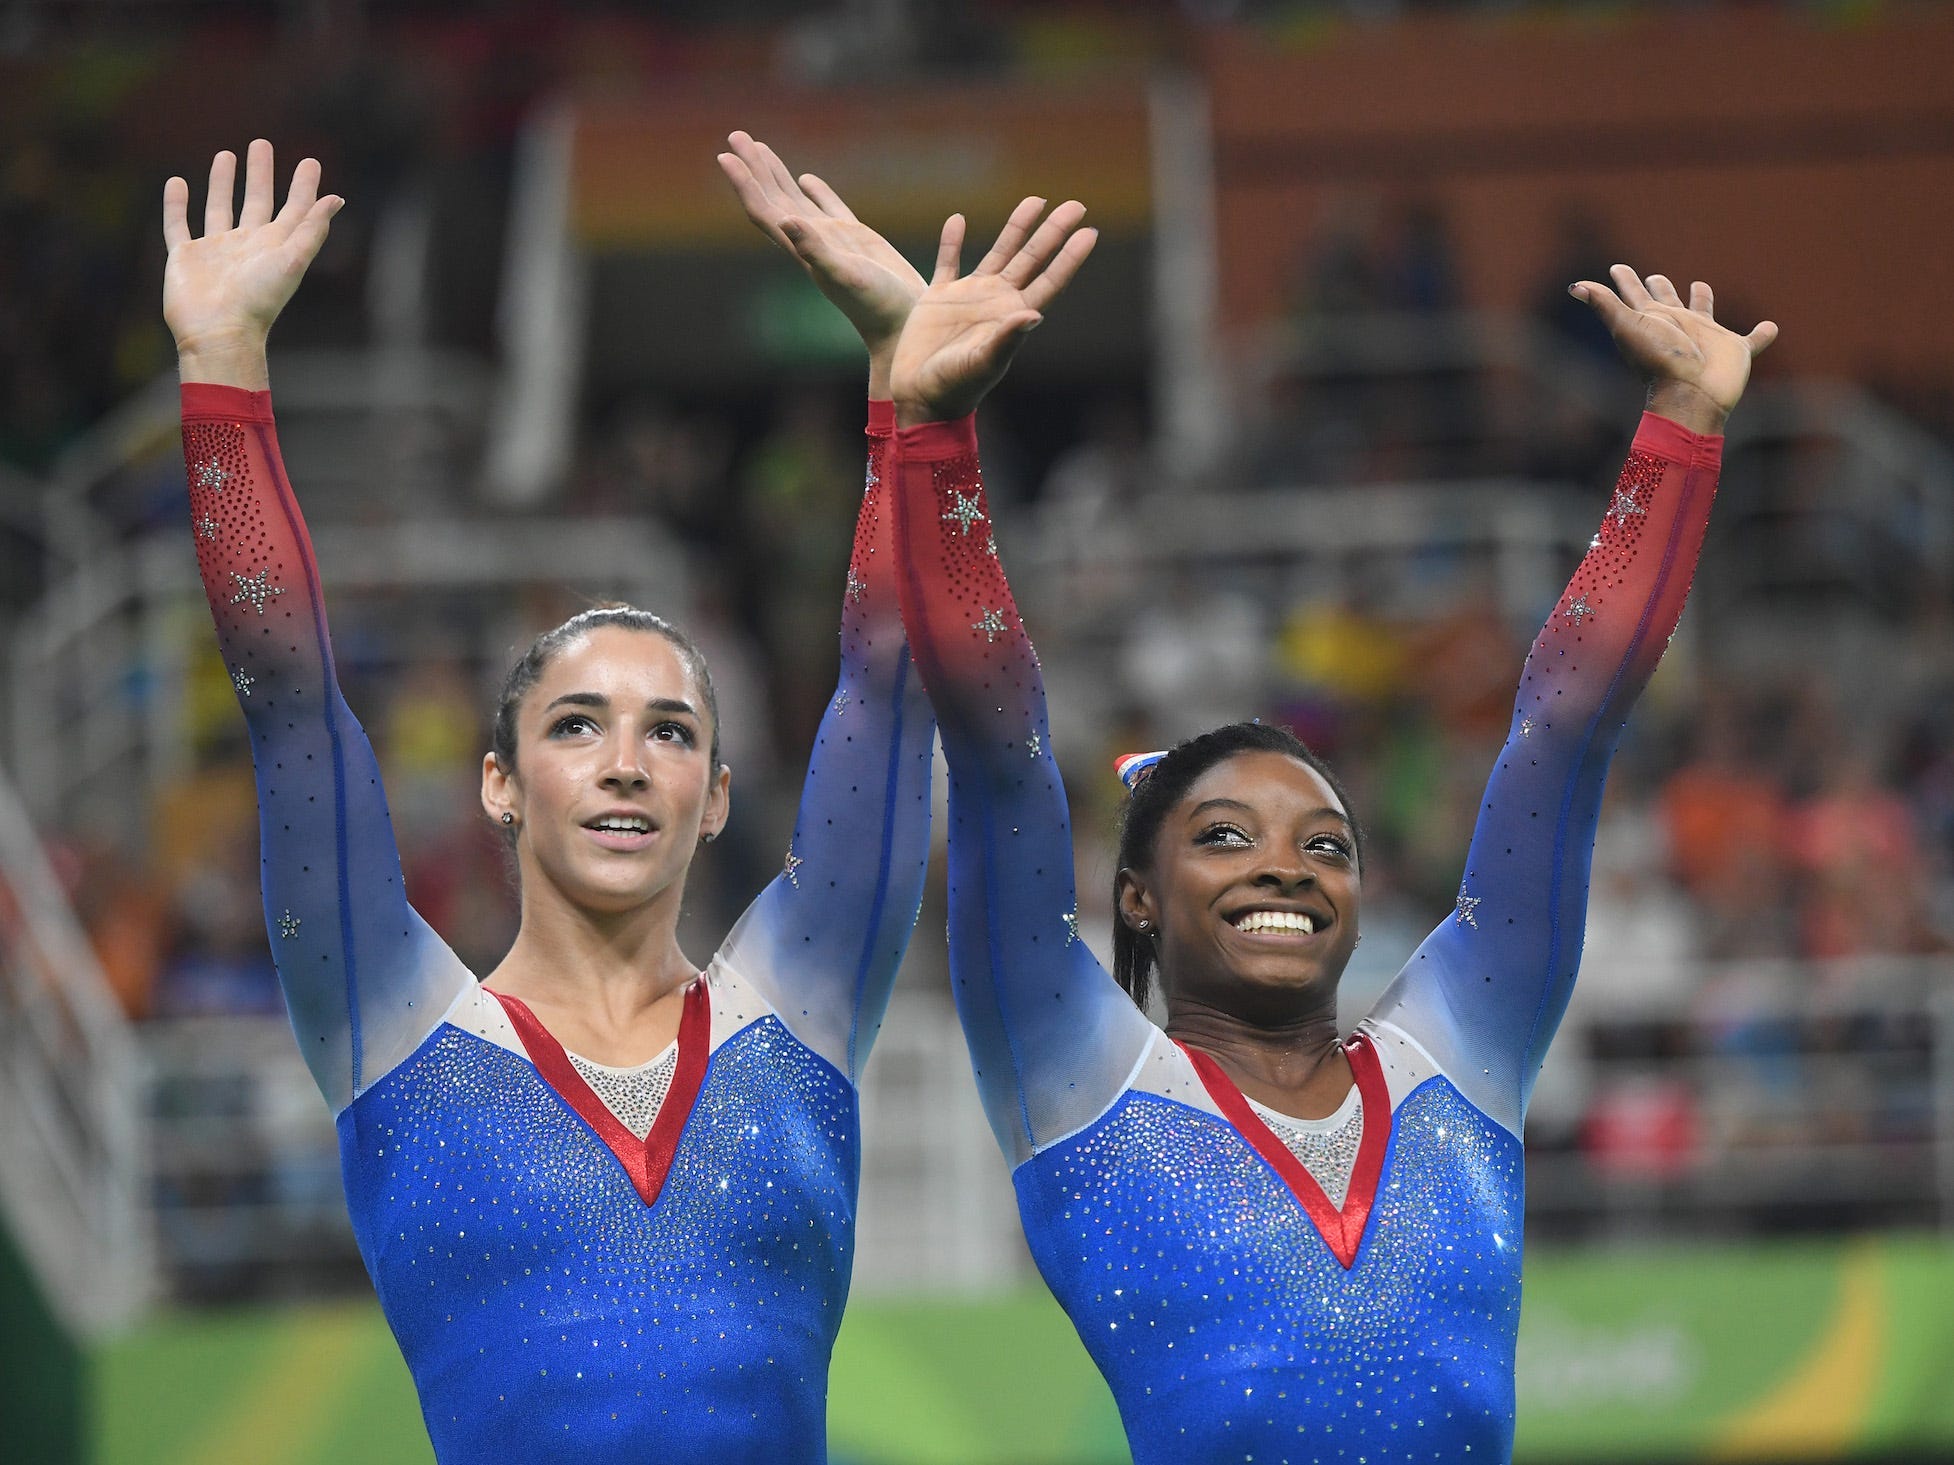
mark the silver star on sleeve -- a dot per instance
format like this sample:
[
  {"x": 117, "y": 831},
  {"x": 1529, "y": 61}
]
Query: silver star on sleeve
[
  {"x": 964, "y": 511},
  {"x": 288, "y": 926},
  {"x": 254, "y": 590},
  {"x": 992, "y": 625},
  {"x": 241, "y": 682},
  {"x": 1463, "y": 908},
  {"x": 792, "y": 863},
  {"x": 1580, "y": 610},
  {"x": 211, "y": 474},
  {"x": 1071, "y": 919}
]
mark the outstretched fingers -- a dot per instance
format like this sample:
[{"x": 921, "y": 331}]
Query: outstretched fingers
[
  {"x": 309, "y": 234},
  {"x": 259, "y": 185},
  {"x": 1633, "y": 293},
  {"x": 825, "y": 198},
  {"x": 1058, "y": 274},
  {"x": 1761, "y": 335},
  {"x": 301, "y": 196},
  {"x": 176, "y": 213},
  {"x": 217, "y": 201},
  {"x": 949, "y": 251},
  {"x": 1702, "y": 299},
  {"x": 1044, "y": 244},
  {"x": 1664, "y": 291},
  {"x": 1603, "y": 301},
  {"x": 1011, "y": 238}
]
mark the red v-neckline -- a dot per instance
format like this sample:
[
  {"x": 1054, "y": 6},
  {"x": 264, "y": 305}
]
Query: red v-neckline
[
  {"x": 1341, "y": 1229},
  {"x": 647, "y": 1161}
]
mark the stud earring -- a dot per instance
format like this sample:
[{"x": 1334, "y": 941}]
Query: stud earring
[
  {"x": 507, "y": 817},
  {"x": 709, "y": 837}
]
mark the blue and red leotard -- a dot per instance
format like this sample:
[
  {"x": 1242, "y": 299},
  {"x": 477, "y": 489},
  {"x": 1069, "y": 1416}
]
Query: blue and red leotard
[
  {"x": 565, "y": 1285},
  {"x": 1247, "y": 1296}
]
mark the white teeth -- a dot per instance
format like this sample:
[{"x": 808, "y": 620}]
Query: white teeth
[
  {"x": 623, "y": 826},
  {"x": 1259, "y": 921}
]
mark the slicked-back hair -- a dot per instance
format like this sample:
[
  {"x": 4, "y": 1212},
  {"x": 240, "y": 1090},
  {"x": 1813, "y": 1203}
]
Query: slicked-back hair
[
  {"x": 545, "y": 648},
  {"x": 1134, "y": 956}
]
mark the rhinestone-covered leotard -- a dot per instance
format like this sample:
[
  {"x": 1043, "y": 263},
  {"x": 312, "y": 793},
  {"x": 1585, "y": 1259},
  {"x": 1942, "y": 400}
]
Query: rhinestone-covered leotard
[
  {"x": 1238, "y": 1312},
  {"x": 564, "y": 1287}
]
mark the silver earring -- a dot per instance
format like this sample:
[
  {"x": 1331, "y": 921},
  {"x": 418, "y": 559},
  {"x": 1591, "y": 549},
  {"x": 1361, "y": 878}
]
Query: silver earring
[
  {"x": 507, "y": 817},
  {"x": 708, "y": 838},
  {"x": 1143, "y": 925}
]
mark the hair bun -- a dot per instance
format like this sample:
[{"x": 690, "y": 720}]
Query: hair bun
[{"x": 1133, "y": 768}]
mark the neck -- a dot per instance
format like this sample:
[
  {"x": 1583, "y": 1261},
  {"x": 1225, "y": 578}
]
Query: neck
[
  {"x": 1294, "y": 1064},
  {"x": 606, "y": 984}
]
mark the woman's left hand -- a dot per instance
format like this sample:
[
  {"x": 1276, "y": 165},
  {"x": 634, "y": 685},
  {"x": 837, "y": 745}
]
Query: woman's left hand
[
  {"x": 1696, "y": 368},
  {"x": 964, "y": 330}
]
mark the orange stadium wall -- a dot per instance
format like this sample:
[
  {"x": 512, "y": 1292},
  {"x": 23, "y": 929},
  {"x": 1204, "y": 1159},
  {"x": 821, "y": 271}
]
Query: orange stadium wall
[{"x": 1804, "y": 165}]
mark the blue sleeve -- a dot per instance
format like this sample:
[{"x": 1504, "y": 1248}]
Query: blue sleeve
[
  {"x": 1486, "y": 991},
  {"x": 365, "y": 979},
  {"x": 824, "y": 940},
  {"x": 1053, "y": 1039}
]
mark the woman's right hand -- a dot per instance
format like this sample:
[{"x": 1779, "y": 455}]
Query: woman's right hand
[
  {"x": 222, "y": 292},
  {"x": 861, "y": 272}
]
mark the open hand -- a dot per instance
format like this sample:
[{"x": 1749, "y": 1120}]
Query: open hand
[
  {"x": 855, "y": 267},
  {"x": 964, "y": 330},
  {"x": 1697, "y": 369},
  {"x": 222, "y": 292}
]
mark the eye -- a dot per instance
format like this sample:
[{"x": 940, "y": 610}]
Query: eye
[
  {"x": 1329, "y": 844},
  {"x": 674, "y": 732},
  {"x": 1226, "y": 835},
  {"x": 571, "y": 722}
]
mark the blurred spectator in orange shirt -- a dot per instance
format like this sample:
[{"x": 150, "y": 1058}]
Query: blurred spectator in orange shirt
[
  {"x": 1724, "y": 817},
  {"x": 1854, "y": 845}
]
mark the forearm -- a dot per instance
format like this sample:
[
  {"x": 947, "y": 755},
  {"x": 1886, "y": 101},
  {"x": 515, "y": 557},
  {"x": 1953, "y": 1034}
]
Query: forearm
[
  {"x": 1051, "y": 1037},
  {"x": 826, "y": 938},
  {"x": 1487, "y": 990},
  {"x": 362, "y": 975}
]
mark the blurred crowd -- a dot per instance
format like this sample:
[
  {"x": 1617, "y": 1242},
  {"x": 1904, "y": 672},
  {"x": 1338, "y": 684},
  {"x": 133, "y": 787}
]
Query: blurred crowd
[{"x": 1758, "y": 814}]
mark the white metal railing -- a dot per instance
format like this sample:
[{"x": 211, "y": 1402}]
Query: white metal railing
[
  {"x": 70, "y": 1181},
  {"x": 245, "y": 1168}
]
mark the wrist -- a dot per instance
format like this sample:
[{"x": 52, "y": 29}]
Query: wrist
[
  {"x": 1688, "y": 406},
  {"x": 878, "y": 372},
  {"x": 232, "y": 359}
]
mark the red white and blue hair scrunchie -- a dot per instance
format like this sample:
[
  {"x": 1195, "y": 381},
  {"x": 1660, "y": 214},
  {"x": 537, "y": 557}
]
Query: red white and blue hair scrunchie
[{"x": 1133, "y": 768}]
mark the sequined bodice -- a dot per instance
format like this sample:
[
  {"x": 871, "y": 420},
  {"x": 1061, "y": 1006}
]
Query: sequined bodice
[
  {"x": 548, "y": 1314},
  {"x": 1326, "y": 1147},
  {"x": 1228, "y": 1330},
  {"x": 633, "y": 1094}
]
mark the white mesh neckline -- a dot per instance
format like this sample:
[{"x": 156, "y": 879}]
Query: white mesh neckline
[
  {"x": 1326, "y": 1147},
  {"x": 633, "y": 1095}
]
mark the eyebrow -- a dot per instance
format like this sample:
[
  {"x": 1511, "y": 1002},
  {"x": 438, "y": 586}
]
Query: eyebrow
[
  {"x": 1326, "y": 812},
  {"x": 599, "y": 700}
]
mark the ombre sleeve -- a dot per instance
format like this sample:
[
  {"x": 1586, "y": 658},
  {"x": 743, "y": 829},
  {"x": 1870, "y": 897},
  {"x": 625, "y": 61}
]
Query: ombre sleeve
[
  {"x": 1487, "y": 989},
  {"x": 824, "y": 940},
  {"x": 1053, "y": 1039},
  {"x": 365, "y": 979}
]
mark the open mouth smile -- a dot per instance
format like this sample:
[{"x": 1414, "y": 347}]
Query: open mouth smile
[
  {"x": 622, "y": 831},
  {"x": 1266, "y": 923}
]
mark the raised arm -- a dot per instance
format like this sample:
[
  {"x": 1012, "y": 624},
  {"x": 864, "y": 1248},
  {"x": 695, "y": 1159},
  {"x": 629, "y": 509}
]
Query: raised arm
[
  {"x": 364, "y": 978},
  {"x": 1487, "y": 989},
  {"x": 1052, "y": 1038},
  {"x": 824, "y": 940}
]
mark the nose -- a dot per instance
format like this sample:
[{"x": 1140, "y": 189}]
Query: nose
[
  {"x": 1285, "y": 869},
  {"x": 625, "y": 768}
]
